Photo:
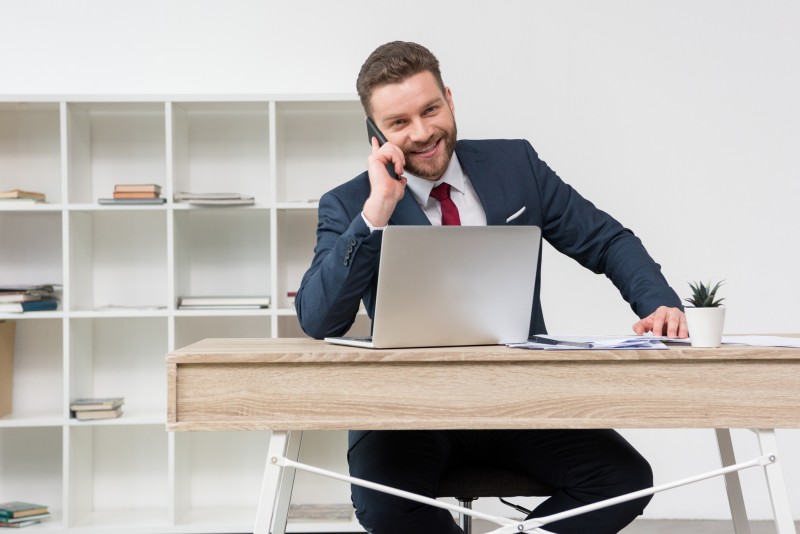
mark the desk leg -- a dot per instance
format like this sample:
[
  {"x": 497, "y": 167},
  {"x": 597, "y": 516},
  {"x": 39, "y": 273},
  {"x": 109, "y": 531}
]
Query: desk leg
[
  {"x": 777, "y": 487},
  {"x": 276, "y": 486},
  {"x": 732, "y": 484}
]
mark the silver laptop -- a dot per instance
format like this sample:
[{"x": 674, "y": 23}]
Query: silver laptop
[{"x": 441, "y": 286}]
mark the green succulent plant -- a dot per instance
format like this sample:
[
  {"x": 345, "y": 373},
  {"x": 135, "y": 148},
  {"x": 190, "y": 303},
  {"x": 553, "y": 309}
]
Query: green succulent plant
[{"x": 704, "y": 296}]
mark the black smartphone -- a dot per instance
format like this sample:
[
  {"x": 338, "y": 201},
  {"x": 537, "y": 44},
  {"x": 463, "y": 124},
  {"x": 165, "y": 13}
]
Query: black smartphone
[{"x": 373, "y": 131}]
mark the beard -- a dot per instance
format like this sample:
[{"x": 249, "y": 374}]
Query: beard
[{"x": 431, "y": 168}]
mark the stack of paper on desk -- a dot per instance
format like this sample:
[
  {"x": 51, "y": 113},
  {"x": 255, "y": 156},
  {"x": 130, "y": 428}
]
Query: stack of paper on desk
[
  {"x": 545, "y": 342},
  {"x": 763, "y": 341}
]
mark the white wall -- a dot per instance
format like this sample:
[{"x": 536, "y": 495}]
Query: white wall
[{"x": 681, "y": 118}]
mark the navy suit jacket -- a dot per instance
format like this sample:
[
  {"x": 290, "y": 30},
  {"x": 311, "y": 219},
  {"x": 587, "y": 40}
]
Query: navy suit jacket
[{"x": 507, "y": 176}]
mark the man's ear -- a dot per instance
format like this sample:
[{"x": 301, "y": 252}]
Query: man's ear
[{"x": 448, "y": 96}]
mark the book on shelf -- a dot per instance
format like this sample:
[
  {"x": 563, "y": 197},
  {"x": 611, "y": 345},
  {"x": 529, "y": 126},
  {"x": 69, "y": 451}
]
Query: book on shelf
[
  {"x": 214, "y": 199},
  {"x": 222, "y": 302},
  {"x": 96, "y": 403},
  {"x": 135, "y": 194},
  {"x": 41, "y": 289},
  {"x": 26, "y": 293},
  {"x": 23, "y": 521},
  {"x": 18, "y": 509},
  {"x": 18, "y": 296},
  {"x": 85, "y": 415},
  {"x": 19, "y": 201},
  {"x": 14, "y": 194},
  {"x": 29, "y": 306},
  {"x": 7, "y": 339},
  {"x": 137, "y": 188},
  {"x": 183, "y": 196},
  {"x": 122, "y": 201}
]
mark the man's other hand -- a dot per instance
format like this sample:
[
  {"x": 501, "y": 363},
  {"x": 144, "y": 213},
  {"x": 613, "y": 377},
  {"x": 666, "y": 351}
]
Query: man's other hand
[{"x": 670, "y": 322}]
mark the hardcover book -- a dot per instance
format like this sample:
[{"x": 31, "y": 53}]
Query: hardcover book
[
  {"x": 135, "y": 194},
  {"x": 214, "y": 199},
  {"x": 22, "y": 521},
  {"x": 96, "y": 403},
  {"x": 223, "y": 302},
  {"x": 16, "y": 509},
  {"x": 98, "y": 414},
  {"x": 19, "y": 193},
  {"x": 7, "y": 338},
  {"x": 137, "y": 188},
  {"x": 33, "y": 305},
  {"x": 131, "y": 200},
  {"x": 18, "y": 296}
]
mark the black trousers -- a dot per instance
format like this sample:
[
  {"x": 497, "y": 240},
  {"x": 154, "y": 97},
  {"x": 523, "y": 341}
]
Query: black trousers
[{"x": 584, "y": 466}]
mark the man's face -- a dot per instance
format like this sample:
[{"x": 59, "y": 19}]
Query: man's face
[{"x": 418, "y": 118}]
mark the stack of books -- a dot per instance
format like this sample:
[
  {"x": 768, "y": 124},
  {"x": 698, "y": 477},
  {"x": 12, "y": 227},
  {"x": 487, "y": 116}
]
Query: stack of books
[
  {"x": 18, "y": 196},
  {"x": 222, "y": 303},
  {"x": 214, "y": 199},
  {"x": 135, "y": 194},
  {"x": 18, "y": 514},
  {"x": 96, "y": 408},
  {"x": 25, "y": 298}
]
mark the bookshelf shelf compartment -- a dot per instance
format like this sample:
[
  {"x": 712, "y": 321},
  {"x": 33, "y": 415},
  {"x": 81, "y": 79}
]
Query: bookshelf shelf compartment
[
  {"x": 38, "y": 376},
  {"x": 106, "y": 484},
  {"x": 123, "y": 269},
  {"x": 222, "y": 147},
  {"x": 118, "y": 259},
  {"x": 119, "y": 357},
  {"x": 222, "y": 252},
  {"x": 111, "y": 143},
  {"x": 31, "y": 160},
  {"x": 319, "y": 145},
  {"x": 31, "y": 247},
  {"x": 31, "y": 467}
]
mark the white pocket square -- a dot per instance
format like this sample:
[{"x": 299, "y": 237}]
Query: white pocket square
[{"x": 517, "y": 214}]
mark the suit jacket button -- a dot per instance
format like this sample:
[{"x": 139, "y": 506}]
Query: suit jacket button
[{"x": 352, "y": 242}]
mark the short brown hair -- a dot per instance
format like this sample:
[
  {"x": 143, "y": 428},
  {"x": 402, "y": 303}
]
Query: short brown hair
[{"x": 392, "y": 63}]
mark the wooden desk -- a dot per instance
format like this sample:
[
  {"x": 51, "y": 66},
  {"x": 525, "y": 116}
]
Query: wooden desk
[{"x": 300, "y": 384}]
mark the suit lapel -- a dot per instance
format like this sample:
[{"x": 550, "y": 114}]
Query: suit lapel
[
  {"x": 484, "y": 179},
  {"x": 407, "y": 212}
]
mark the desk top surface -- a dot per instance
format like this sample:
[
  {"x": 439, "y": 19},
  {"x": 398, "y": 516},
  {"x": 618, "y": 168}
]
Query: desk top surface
[{"x": 303, "y": 350}]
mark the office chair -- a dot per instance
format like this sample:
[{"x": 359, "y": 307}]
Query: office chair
[{"x": 467, "y": 483}]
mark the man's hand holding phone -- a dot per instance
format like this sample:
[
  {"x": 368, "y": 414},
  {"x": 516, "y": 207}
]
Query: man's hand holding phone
[{"x": 387, "y": 185}]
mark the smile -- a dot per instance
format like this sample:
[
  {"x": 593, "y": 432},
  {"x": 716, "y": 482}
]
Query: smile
[{"x": 427, "y": 150}]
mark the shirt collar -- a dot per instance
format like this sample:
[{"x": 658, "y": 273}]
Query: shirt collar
[{"x": 421, "y": 188}]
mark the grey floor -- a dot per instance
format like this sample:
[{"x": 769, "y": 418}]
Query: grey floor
[{"x": 650, "y": 526}]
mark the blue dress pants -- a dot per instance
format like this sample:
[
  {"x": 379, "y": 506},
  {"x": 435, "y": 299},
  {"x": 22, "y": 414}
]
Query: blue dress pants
[{"x": 584, "y": 466}]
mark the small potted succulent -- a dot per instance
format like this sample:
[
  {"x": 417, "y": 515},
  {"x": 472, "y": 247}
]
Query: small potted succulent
[{"x": 705, "y": 317}]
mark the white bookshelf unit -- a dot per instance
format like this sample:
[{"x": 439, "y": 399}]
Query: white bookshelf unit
[{"x": 123, "y": 269}]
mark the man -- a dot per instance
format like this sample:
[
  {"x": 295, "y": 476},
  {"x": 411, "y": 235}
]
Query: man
[{"x": 490, "y": 182}]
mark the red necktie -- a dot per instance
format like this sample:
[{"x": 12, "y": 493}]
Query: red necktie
[{"x": 449, "y": 210}]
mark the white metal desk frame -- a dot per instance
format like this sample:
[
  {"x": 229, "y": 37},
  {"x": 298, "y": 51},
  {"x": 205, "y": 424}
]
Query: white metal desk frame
[{"x": 284, "y": 448}]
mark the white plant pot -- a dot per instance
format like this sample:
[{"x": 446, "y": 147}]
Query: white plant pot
[{"x": 705, "y": 326}]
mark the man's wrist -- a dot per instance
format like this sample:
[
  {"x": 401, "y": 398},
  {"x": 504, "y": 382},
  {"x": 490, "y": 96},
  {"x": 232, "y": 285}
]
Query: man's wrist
[{"x": 371, "y": 227}]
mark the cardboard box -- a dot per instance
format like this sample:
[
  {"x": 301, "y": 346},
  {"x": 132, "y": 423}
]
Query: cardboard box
[{"x": 7, "y": 329}]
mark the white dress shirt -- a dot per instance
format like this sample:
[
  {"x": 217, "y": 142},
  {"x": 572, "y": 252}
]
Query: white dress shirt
[{"x": 463, "y": 195}]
